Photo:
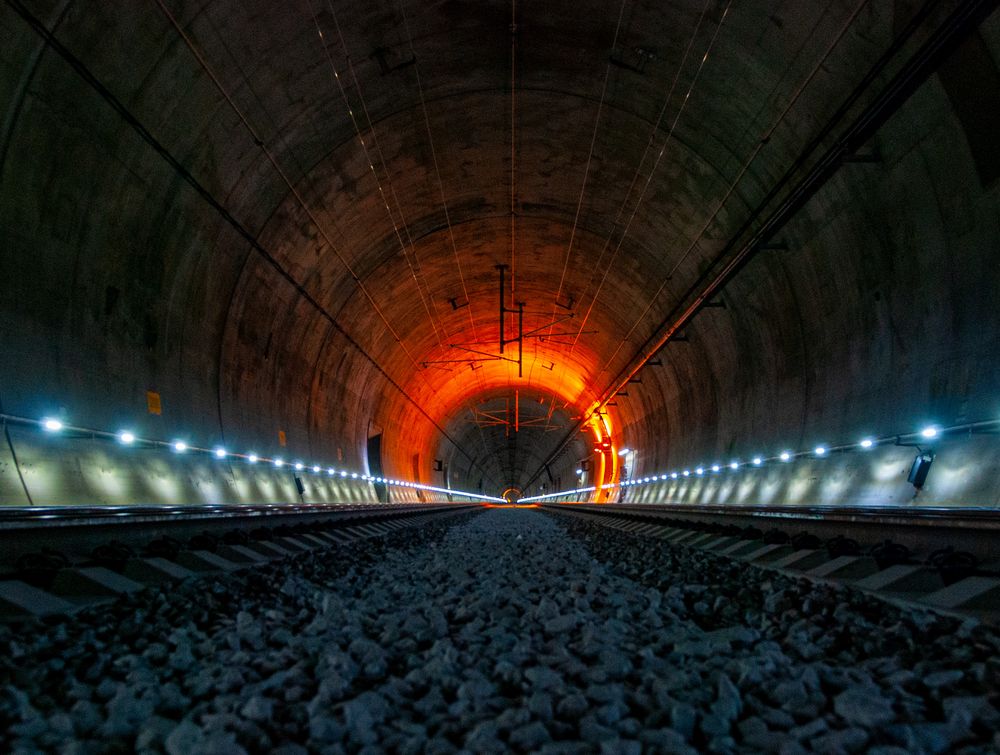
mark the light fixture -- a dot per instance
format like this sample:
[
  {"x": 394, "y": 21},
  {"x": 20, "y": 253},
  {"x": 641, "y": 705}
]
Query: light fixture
[
  {"x": 298, "y": 466},
  {"x": 52, "y": 425},
  {"x": 579, "y": 471},
  {"x": 785, "y": 456},
  {"x": 687, "y": 472},
  {"x": 918, "y": 471},
  {"x": 623, "y": 451},
  {"x": 757, "y": 461},
  {"x": 734, "y": 465},
  {"x": 316, "y": 468},
  {"x": 220, "y": 453},
  {"x": 354, "y": 475},
  {"x": 673, "y": 475},
  {"x": 126, "y": 437},
  {"x": 700, "y": 470},
  {"x": 867, "y": 443},
  {"x": 820, "y": 450},
  {"x": 180, "y": 446},
  {"x": 929, "y": 432},
  {"x": 331, "y": 471},
  {"x": 343, "y": 474},
  {"x": 663, "y": 477},
  {"x": 715, "y": 467},
  {"x": 252, "y": 458},
  {"x": 279, "y": 462}
]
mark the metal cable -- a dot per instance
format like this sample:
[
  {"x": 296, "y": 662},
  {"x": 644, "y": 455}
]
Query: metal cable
[
  {"x": 761, "y": 143},
  {"x": 378, "y": 150},
  {"x": 590, "y": 156}
]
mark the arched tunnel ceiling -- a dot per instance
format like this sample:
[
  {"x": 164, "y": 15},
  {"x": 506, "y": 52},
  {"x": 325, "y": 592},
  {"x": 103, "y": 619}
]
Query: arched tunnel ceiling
[{"x": 362, "y": 170}]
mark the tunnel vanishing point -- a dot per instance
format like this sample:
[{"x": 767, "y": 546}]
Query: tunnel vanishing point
[{"x": 691, "y": 251}]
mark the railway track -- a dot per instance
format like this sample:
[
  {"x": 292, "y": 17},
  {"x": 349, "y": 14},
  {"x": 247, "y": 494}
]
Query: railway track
[
  {"x": 943, "y": 559},
  {"x": 497, "y": 631},
  {"x": 57, "y": 560}
]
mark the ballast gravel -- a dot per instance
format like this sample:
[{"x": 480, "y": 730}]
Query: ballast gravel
[{"x": 506, "y": 630}]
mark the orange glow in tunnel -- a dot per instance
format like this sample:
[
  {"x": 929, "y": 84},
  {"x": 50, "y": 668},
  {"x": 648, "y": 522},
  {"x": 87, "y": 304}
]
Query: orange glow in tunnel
[{"x": 446, "y": 394}]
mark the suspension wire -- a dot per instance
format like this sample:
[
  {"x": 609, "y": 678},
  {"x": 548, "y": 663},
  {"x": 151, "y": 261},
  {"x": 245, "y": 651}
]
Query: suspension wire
[
  {"x": 900, "y": 88},
  {"x": 437, "y": 169},
  {"x": 761, "y": 143},
  {"x": 386, "y": 171},
  {"x": 440, "y": 185},
  {"x": 635, "y": 176},
  {"x": 389, "y": 182},
  {"x": 590, "y": 157},
  {"x": 652, "y": 171},
  {"x": 392, "y": 190},
  {"x": 764, "y": 140},
  {"x": 368, "y": 158},
  {"x": 187, "y": 177},
  {"x": 513, "y": 152},
  {"x": 259, "y": 142}
]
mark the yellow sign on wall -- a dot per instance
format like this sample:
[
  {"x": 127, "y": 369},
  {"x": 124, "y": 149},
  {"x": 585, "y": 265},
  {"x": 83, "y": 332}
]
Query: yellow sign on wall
[
  {"x": 153, "y": 402},
  {"x": 282, "y": 440}
]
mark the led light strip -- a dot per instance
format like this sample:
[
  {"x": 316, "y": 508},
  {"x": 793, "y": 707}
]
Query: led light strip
[
  {"x": 129, "y": 438},
  {"x": 553, "y": 495},
  {"x": 927, "y": 434}
]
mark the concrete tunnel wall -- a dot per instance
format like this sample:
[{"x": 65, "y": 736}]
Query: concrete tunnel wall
[
  {"x": 846, "y": 352},
  {"x": 118, "y": 278}
]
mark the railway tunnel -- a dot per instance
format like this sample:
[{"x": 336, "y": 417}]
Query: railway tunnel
[{"x": 696, "y": 259}]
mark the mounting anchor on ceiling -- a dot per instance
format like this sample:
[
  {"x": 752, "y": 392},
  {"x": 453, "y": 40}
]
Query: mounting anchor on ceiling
[
  {"x": 873, "y": 156},
  {"x": 381, "y": 55},
  {"x": 633, "y": 60}
]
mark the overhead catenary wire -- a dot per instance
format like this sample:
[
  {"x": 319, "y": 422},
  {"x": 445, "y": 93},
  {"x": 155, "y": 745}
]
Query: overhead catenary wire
[
  {"x": 437, "y": 169},
  {"x": 513, "y": 154},
  {"x": 364, "y": 145},
  {"x": 758, "y": 147},
  {"x": 294, "y": 191},
  {"x": 185, "y": 175},
  {"x": 656, "y": 162},
  {"x": 907, "y": 79},
  {"x": 564, "y": 365},
  {"x": 586, "y": 170},
  {"x": 830, "y": 158},
  {"x": 139, "y": 128},
  {"x": 259, "y": 142},
  {"x": 378, "y": 150}
]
